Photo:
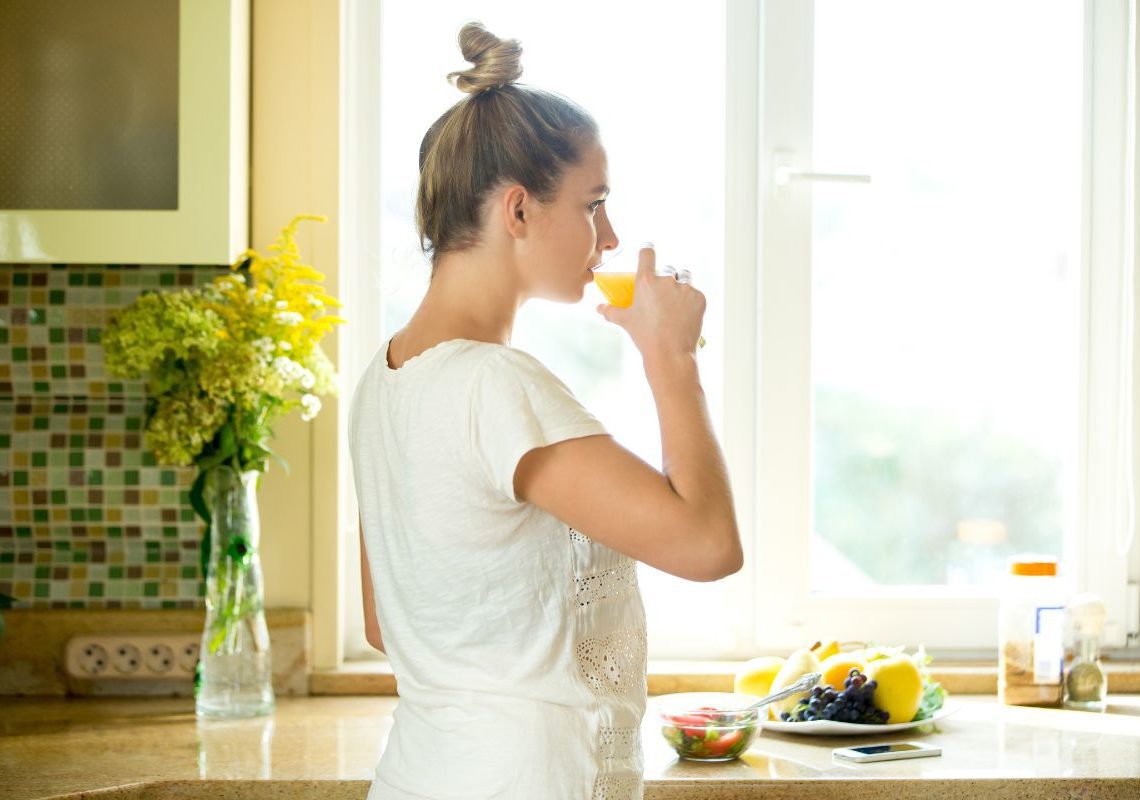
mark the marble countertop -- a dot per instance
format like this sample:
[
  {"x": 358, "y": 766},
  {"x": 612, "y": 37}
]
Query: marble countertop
[{"x": 327, "y": 747}]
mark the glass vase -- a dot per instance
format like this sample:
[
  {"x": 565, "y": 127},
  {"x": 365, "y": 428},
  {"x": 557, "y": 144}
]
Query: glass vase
[{"x": 235, "y": 677}]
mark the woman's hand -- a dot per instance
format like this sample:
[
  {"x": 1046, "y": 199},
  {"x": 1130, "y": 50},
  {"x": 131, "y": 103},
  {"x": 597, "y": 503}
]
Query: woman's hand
[{"x": 666, "y": 315}]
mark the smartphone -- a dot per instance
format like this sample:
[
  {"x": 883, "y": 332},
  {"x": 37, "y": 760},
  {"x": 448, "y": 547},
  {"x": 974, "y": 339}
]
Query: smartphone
[{"x": 887, "y": 752}]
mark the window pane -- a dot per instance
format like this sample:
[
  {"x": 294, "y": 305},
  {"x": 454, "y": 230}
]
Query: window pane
[
  {"x": 945, "y": 294},
  {"x": 662, "y": 126}
]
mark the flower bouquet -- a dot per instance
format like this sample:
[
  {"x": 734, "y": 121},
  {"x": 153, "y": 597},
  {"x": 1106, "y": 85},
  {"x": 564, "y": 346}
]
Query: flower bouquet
[{"x": 223, "y": 362}]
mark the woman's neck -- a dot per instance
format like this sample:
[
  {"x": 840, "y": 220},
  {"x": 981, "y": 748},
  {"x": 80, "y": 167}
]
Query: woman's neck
[{"x": 472, "y": 295}]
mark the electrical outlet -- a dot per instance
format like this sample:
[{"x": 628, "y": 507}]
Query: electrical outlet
[
  {"x": 132, "y": 657},
  {"x": 188, "y": 656},
  {"x": 159, "y": 658},
  {"x": 126, "y": 658},
  {"x": 88, "y": 659}
]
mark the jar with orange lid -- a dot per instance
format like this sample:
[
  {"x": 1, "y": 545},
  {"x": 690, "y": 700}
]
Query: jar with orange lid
[{"x": 1031, "y": 632}]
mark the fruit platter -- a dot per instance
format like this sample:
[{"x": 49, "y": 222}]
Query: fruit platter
[{"x": 867, "y": 689}]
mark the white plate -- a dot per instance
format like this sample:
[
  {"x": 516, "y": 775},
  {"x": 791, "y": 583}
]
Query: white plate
[{"x": 827, "y": 727}]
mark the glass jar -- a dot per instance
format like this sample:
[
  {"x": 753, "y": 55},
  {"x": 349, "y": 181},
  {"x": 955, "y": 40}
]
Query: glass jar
[
  {"x": 1031, "y": 631},
  {"x": 1086, "y": 685}
]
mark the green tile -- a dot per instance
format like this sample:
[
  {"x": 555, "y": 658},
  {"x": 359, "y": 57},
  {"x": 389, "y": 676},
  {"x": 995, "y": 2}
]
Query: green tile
[
  {"x": 42, "y": 589},
  {"x": 79, "y": 557},
  {"x": 76, "y": 459},
  {"x": 148, "y": 459},
  {"x": 7, "y": 557},
  {"x": 24, "y": 532},
  {"x": 20, "y": 279},
  {"x": 114, "y": 532},
  {"x": 94, "y": 335},
  {"x": 19, "y": 477},
  {"x": 170, "y": 531},
  {"x": 131, "y": 477},
  {"x": 95, "y": 423},
  {"x": 114, "y": 573},
  {"x": 76, "y": 441},
  {"x": 95, "y": 514},
  {"x": 150, "y": 589},
  {"x": 39, "y": 459},
  {"x": 94, "y": 278},
  {"x": 3, "y": 336},
  {"x": 94, "y": 477},
  {"x": 189, "y": 573},
  {"x": 5, "y": 441},
  {"x": 115, "y": 388},
  {"x": 58, "y": 371},
  {"x": 95, "y": 589},
  {"x": 56, "y": 297},
  {"x": 75, "y": 279},
  {"x": 39, "y": 515},
  {"x": 133, "y": 423},
  {"x": 41, "y": 387},
  {"x": 19, "y": 354},
  {"x": 58, "y": 497},
  {"x": 37, "y": 316},
  {"x": 43, "y": 572}
]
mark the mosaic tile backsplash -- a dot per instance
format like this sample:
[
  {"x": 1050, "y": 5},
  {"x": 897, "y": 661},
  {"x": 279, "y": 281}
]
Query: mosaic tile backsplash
[{"x": 87, "y": 518}]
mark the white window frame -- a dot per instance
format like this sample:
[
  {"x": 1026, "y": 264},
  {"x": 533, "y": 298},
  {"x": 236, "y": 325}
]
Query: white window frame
[
  {"x": 945, "y": 619},
  {"x": 767, "y": 395}
]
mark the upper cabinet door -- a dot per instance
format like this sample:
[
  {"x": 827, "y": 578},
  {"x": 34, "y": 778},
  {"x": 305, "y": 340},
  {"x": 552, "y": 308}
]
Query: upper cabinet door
[{"x": 124, "y": 131}]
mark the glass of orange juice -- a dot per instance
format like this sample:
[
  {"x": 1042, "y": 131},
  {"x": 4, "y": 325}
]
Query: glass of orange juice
[{"x": 618, "y": 290}]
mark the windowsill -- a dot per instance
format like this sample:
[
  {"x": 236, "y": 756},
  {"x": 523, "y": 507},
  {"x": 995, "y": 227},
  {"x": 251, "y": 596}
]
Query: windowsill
[{"x": 667, "y": 676}]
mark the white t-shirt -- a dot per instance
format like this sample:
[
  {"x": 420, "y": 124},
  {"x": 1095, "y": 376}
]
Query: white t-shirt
[{"x": 518, "y": 644}]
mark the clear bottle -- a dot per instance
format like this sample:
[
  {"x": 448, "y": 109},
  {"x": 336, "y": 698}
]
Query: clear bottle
[
  {"x": 1031, "y": 633},
  {"x": 1086, "y": 684}
]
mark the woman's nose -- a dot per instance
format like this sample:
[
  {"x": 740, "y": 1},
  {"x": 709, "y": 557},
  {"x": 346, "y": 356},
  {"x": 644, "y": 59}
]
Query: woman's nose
[{"x": 608, "y": 237}]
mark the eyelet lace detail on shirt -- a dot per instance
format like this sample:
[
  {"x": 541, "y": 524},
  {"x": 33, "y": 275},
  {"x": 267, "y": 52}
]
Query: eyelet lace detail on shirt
[
  {"x": 618, "y": 742},
  {"x": 579, "y": 537},
  {"x": 615, "y": 787},
  {"x": 611, "y": 583},
  {"x": 615, "y": 663}
]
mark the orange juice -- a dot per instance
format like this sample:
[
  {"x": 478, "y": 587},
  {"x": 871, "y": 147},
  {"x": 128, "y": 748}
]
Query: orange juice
[{"x": 617, "y": 287}]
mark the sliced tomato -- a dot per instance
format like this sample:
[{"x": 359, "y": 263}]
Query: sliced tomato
[{"x": 718, "y": 747}]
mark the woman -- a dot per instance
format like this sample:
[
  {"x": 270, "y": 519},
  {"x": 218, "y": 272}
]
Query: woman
[{"x": 500, "y": 523}]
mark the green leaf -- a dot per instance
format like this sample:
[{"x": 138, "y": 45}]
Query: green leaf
[
  {"x": 198, "y": 503},
  {"x": 933, "y": 696}
]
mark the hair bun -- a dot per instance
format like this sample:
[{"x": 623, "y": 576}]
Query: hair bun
[{"x": 496, "y": 61}]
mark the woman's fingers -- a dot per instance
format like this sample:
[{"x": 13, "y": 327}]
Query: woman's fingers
[{"x": 646, "y": 260}]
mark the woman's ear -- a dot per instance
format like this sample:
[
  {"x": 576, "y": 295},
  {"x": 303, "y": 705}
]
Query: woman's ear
[{"x": 515, "y": 207}]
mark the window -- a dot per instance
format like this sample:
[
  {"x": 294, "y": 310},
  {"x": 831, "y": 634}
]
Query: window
[{"x": 902, "y": 371}]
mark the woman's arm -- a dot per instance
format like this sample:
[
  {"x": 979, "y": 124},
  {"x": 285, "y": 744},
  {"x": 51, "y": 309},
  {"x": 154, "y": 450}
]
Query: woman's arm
[
  {"x": 681, "y": 521},
  {"x": 371, "y": 623}
]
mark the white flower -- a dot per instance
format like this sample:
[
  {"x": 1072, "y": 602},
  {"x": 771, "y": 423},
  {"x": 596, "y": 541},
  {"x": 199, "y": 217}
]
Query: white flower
[
  {"x": 282, "y": 304},
  {"x": 288, "y": 317},
  {"x": 310, "y": 405},
  {"x": 285, "y": 346},
  {"x": 316, "y": 302},
  {"x": 307, "y": 379}
]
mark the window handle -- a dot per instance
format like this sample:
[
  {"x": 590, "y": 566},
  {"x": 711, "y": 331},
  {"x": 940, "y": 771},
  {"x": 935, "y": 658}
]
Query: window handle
[{"x": 783, "y": 173}]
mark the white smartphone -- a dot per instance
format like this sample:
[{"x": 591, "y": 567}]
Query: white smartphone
[{"x": 887, "y": 752}]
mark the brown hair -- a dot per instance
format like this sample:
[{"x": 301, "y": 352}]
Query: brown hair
[{"x": 500, "y": 133}]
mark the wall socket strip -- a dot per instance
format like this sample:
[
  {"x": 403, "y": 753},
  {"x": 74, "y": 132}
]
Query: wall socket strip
[{"x": 132, "y": 656}]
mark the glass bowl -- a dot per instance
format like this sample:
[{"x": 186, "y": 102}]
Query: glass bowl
[{"x": 708, "y": 726}]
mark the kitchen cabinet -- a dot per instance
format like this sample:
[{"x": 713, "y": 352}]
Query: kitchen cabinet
[{"x": 124, "y": 131}]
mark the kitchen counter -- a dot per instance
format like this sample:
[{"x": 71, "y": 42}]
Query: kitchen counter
[{"x": 327, "y": 747}]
